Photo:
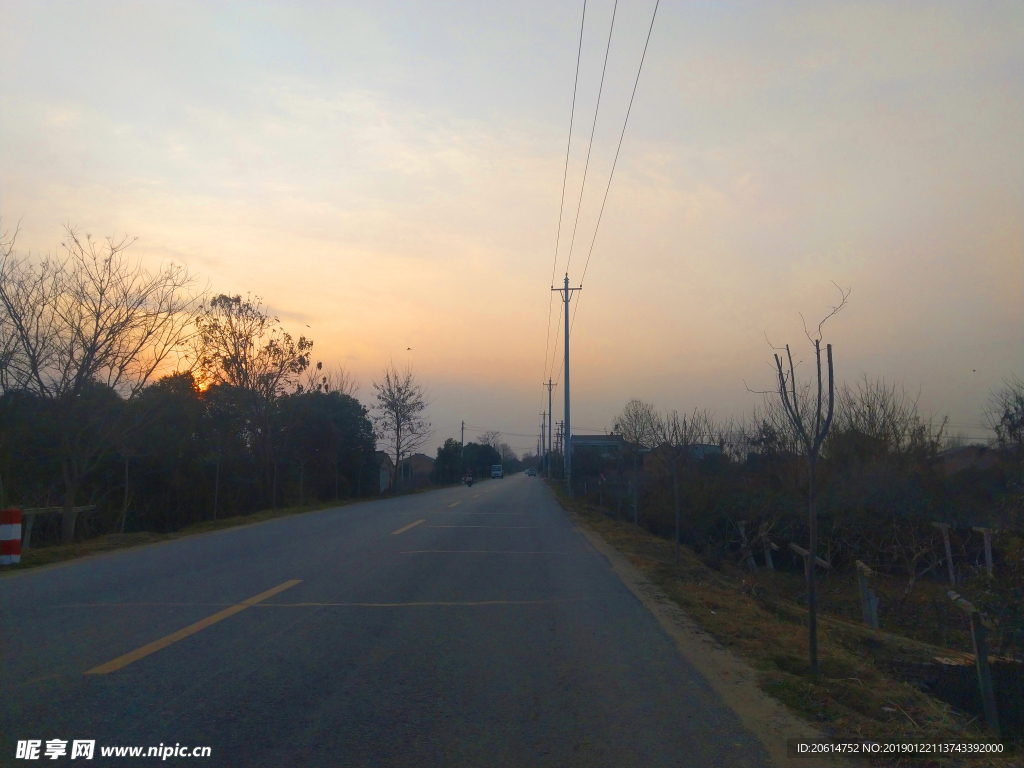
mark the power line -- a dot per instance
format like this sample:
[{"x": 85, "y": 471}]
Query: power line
[
  {"x": 593, "y": 127},
  {"x": 503, "y": 434},
  {"x": 619, "y": 148},
  {"x": 614, "y": 163},
  {"x": 622, "y": 135},
  {"x": 565, "y": 176}
]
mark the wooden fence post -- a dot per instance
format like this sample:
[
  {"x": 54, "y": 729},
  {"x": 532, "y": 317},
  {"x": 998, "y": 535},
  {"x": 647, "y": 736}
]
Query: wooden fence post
[
  {"x": 746, "y": 545},
  {"x": 29, "y": 517},
  {"x": 868, "y": 599},
  {"x": 979, "y": 635},
  {"x": 807, "y": 559},
  {"x": 944, "y": 527},
  {"x": 987, "y": 533}
]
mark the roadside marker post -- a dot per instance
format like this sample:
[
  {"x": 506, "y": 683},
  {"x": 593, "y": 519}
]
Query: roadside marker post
[
  {"x": 987, "y": 533},
  {"x": 10, "y": 536},
  {"x": 944, "y": 527},
  {"x": 868, "y": 599},
  {"x": 980, "y": 626},
  {"x": 769, "y": 545},
  {"x": 807, "y": 560}
]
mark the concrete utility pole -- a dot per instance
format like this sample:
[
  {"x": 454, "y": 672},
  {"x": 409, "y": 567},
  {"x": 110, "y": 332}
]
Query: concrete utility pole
[
  {"x": 543, "y": 424},
  {"x": 547, "y": 457},
  {"x": 566, "y": 292}
]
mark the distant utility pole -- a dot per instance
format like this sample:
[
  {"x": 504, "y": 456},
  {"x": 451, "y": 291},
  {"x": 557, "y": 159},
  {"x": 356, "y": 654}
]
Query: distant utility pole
[
  {"x": 547, "y": 457},
  {"x": 463, "y": 440},
  {"x": 566, "y": 292},
  {"x": 543, "y": 425}
]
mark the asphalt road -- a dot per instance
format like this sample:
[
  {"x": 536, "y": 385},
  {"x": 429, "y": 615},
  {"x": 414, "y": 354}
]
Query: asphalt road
[{"x": 490, "y": 633}]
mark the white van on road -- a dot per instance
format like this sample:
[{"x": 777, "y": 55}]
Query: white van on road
[{"x": 497, "y": 471}]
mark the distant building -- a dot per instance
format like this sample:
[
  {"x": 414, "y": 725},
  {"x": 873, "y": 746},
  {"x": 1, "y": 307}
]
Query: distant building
[
  {"x": 704, "y": 451},
  {"x": 976, "y": 457},
  {"x": 415, "y": 471},
  {"x": 603, "y": 446}
]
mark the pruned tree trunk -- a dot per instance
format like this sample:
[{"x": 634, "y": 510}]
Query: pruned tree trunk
[
  {"x": 124, "y": 505},
  {"x": 216, "y": 488},
  {"x": 810, "y": 424},
  {"x": 675, "y": 492},
  {"x": 812, "y": 597}
]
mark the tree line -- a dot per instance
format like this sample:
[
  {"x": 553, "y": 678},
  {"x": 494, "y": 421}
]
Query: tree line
[{"x": 133, "y": 391}]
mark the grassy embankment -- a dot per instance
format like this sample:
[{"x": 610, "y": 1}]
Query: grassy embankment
[{"x": 47, "y": 555}]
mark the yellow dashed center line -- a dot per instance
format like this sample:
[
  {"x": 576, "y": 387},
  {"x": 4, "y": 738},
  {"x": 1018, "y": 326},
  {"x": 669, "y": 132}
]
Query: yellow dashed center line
[
  {"x": 405, "y": 528},
  {"x": 476, "y": 552},
  {"x": 502, "y": 527},
  {"x": 181, "y": 634}
]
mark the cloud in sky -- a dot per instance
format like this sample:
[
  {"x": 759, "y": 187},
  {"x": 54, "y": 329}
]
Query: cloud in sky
[{"x": 390, "y": 174}]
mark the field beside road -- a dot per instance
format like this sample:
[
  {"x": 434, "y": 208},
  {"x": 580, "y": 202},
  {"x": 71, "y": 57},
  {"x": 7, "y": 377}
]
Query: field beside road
[{"x": 860, "y": 696}]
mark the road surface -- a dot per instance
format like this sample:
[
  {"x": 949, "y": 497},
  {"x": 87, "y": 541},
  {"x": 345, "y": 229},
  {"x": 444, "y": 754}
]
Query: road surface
[{"x": 459, "y": 627}]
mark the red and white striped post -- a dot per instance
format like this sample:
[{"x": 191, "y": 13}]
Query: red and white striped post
[{"x": 10, "y": 536}]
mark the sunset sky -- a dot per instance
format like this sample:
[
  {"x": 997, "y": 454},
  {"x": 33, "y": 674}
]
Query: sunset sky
[{"x": 389, "y": 174}]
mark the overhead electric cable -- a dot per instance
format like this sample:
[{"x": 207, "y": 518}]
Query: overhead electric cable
[
  {"x": 617, "y": 150},
  {"x": 565, "y": 176},
  {"x": 593, "y": 127}
]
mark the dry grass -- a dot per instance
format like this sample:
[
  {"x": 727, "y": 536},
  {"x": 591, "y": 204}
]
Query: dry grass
[
  {"x": 110, "y": 542},
  {"x": 755, "y": 615}
]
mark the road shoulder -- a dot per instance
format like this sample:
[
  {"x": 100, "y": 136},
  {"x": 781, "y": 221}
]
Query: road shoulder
[{"x": 730, "y": 677}]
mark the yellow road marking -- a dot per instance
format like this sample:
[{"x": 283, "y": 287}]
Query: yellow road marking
[
  {"x": 446, "y": 512},
  {"x": 476, "y": 552},
  {"x": 338, "y": 605},
  {"x": 413, "y": 605},
  {"x": 138, "y": 653},
  {"x": 454, "y": 505},
  {"x": 405, "y": 528},
  {"x": 501, "y": 527}
]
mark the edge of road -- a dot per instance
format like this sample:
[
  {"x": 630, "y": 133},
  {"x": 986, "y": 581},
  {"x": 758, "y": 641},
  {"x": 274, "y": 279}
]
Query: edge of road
[
  {"x": 730, "y": 677},
  {"x": 186, "y": 534}
]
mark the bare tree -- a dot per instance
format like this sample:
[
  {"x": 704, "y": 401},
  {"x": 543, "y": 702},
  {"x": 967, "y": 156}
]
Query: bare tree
[
  {"x": 327, "y": 379},
  {"x": 506, "y": 453},
  {"x": 810, "y": 424},
  {"x": 492, "y": 438},
  {"x": 882, "y": 418},
  {"x": 912, "y": 544},
  {"x": 9, "y": 345},
  {"x": 93, "y": 317},
  {"x": 676, "y": 436},
  {"x": 638, "y": 425},
  {"x": 401, "y": 401},
  {"x": 1005, "y": 414}
]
